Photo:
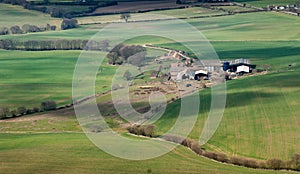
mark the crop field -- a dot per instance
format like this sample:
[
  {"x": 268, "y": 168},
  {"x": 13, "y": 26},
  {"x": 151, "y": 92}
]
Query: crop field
[
  {"x": 16, "y": 15},
  {"x": 74, "y": 153}
]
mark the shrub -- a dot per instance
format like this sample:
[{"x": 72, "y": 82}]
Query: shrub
[
  {"x": 275, "y": 164},
  {"x": 13, "y": 113},
  {"x": 211, "y": 155},
  {"x": 4, "y": 31},
  {"x": 4, "y": 113},
  {"x": 36, "y": 109},
  {"x": 16, "y": 30},
  {"x": 173, "y": 138},
  {"x": 53, "y": 28},
  {"x": 145, "y": 130},
  {"x": 237, "y": 160},
  {"x": 296, "y": 162},
  {"x": 29, "y": 111},
  {"x": 149, "y": 130},
  {"x": 48, "y": 105},
  {"x": 31, "y": 28},
  {"x": 22, "y": 110},
  {"x": 69, "y": 23},
  {"x": 251, "y": 163},
  {"x": 222, "y": 157},
  {"x": 196, "y": 148}
]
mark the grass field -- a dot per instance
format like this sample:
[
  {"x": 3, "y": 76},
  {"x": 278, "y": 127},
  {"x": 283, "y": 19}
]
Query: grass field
[
  {"x": 74, "y": 153},
  {"x": 16, "y": 15},
  {"x": 265, "y": 3},
  {"x": 165, "y": 14},
  {"x": 260, "y": 119},
  {"x": 28, "y": 78}
]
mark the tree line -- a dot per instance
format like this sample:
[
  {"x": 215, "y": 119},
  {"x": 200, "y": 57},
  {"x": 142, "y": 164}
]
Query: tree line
[
  {"x": 44, "y": 45},
  {"x": 22, "y": 110},
  {"x": 57, "y": 9},
  {"x": 273, "y": 163},
  {"x": 26, "y": 28}
]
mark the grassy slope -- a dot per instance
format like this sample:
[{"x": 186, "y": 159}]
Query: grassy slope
[
  {"x": 260, "y": 119},
  {"x": 176, "y": 13},
  {"x": 16, "y": 15},
  {"x": 74, "y": 153},
  {"x": 28, "y": 78},
  {"x": 265, "y": 3}
]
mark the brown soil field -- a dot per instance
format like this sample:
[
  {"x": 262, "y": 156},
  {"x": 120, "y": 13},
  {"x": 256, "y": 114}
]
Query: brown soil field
[{"x": 134, "y": 7}]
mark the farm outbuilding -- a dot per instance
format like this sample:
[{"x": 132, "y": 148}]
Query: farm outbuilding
[{"x": 238, "y": 66}]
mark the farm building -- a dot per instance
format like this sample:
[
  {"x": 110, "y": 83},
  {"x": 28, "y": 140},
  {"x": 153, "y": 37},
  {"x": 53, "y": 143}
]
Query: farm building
[
  {"x": 238, "y": 66},
  {"x": 196, "y": 71}
]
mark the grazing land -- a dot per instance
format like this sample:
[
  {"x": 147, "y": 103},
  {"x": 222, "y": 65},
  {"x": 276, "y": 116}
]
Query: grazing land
[
  {"x": 265, "y": 3},
  {"x": 74, "y": 153},
  {"x": 15, "y": 15}
]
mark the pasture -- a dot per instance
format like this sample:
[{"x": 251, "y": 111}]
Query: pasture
[
  {"x": 260, "y": 118},
  {"x": 74, "y": 153},
  {"x": 30, "y": 77},
  {"x": 265, "y": 3},
  {"x": 153, "y": 15},
  {"x": 16, "y": 15}
]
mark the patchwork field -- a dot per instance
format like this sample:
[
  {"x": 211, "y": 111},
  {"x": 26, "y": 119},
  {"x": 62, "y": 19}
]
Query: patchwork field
[{"x": 260, "y": 120}]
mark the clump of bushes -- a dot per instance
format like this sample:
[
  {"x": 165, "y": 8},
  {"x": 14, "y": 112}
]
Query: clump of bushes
[
  {"x": 69, "y": 23},
  {"x": 22, "y": 110},
  {"x": 48, "y": 105},
  {"x": 133, "y": 54},
  {"x": 192, "y": 144},
  {"x": 145, "y": 130}
]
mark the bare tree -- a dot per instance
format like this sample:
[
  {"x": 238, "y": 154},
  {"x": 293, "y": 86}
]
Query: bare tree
[{"x": 125, "y": 17}]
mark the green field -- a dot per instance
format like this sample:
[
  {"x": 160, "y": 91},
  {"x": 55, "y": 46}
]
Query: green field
[
  {"x": 265, "y": 3},
  {"x": 30, "y": 77},
  {"x": 260, "y": 119},
  {"x": 165, "y": 14},
  {"x": 74, "y": 153},
  {"x": 16, "y": 15}
]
